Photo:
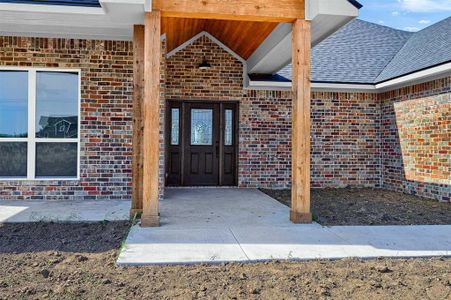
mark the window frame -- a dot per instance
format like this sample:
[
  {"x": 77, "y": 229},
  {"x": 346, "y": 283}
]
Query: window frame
[{"x": 31, "y": 138}]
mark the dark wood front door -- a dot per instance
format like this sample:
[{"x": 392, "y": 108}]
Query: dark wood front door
[{"x": 202, "y": 143}]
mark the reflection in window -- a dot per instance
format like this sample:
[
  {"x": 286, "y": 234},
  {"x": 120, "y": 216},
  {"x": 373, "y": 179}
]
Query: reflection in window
[
  {"x": 201, "y": 127},
  {"x": 228, "y": 130},
  {"x": 175, "y": 117},
  {"x": 13, "y": 104},
  {"x": 56, "y": 159},
  {"x": 13, "y": 159},
  {"x": 56, "y": 105},
  {"x": 56, "y": 115}
]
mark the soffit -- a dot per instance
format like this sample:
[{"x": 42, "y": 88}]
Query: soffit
[{"x": 243, "y": 37}]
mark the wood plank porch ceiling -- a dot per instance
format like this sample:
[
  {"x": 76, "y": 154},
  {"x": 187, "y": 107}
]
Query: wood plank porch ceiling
[{"x": 243, "y": 37}]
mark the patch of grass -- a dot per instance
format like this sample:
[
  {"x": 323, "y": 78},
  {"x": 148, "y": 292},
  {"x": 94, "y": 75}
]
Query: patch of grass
[
  {"x": 132, "y": 221},
  {"x": 315, "y": 217}
]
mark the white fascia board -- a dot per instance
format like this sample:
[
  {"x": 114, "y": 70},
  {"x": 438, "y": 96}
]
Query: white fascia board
[
  {"x": 117, "y": 34},
  {"x": 148, "y": 5},
  {"x": 342, "y": 87},
  {"x": 433, "y": 73},
  {"x": 326, "y": 16},
  {"x": 313, "y": 8},
  {"x": 417, "y": 77},
  {"x": 268, "y": 85},
  {"x": 55, "y": 9}
]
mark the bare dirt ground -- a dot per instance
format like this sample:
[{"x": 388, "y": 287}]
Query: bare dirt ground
[
  {"x": 77, "y": 261},
  {"x": 366, "y": 206}
]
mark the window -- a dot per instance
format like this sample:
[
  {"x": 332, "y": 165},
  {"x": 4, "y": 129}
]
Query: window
[{"x": 39, "y": 124}]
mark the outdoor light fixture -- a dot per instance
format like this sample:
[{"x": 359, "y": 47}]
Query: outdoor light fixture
[{"x": 204, "y": 65}]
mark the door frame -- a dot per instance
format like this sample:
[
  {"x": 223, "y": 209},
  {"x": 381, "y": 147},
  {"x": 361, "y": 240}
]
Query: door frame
[{"x": 181, "y": 104}]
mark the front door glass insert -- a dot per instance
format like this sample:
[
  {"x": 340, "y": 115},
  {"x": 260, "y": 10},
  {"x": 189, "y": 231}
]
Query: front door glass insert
[
  {"x": 175, "y": 118},
  {"x": 228, "y": 129},
  {"x": 201, "y": 127}
]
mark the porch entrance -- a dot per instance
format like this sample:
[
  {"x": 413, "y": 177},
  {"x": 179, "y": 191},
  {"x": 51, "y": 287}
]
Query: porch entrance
[{"x": 202, "y": 140}]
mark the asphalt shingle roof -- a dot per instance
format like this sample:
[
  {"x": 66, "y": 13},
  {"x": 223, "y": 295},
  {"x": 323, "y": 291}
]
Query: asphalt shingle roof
[
  {"x": 363, "y": 52},
  {"x": 426, "y": 48}
]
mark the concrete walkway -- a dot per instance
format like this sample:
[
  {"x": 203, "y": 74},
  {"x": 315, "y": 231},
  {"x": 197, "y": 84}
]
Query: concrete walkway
[
  {"x": 223, "y": 225},
  {"x": 13, "y": 211}
]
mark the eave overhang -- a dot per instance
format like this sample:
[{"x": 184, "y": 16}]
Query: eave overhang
[
  {"x": 429, "y": 74},
  {"x": 326, "y": 16},
  {"x": 113, "y": 20}
]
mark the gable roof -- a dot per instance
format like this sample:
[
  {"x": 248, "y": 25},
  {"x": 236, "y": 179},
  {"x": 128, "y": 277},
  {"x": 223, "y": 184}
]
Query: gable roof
[
  {"x": 426, "y": 48},
  {"x": 367, "y": 53}
]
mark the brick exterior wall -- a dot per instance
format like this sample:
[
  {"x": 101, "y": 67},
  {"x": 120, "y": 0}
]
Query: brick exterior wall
[
  {"x": 345, "y": 140},
  {"x": 106, "y": 124},
  {"x": 265, "y": 139},
  {"x": 355, "y": 139},
  {"x": 416, "y": 139},
  {"x": 265, "y": 126}
]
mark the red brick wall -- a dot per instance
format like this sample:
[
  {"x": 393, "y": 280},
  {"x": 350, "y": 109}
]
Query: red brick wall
[
  {"x": 416, "y": 139},
  {"x": 265, "y": 122},
  {"x": 355, "y": 137},
  {"x": 265, "y": 139},
  {"x": 185, "y": 81},
  {"x": 106, "y": 126},
  {"x": 344, "y": 144},
  {"x": 345, "y": 139}
]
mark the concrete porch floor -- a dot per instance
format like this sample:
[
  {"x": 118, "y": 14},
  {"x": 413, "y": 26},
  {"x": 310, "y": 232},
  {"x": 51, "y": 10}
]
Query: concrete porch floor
[{"x": 226, "y": 224}]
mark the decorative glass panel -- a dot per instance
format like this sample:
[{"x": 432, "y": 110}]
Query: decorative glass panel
[
  {"x": 201, "y": 126},
  {"x": 13, "y": 104},
  {"x": 175, "y": 117},
  {"x": 56, "y": 105},
  {"x": 228, "y": 130},
  {"x": 13, "y": 159},
  {"x": 56, "y": 160}
]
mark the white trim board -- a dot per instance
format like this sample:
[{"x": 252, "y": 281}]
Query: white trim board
[
  {"x": 410, "y": 79},
  {"x": 220, "y": 44},
  {"x": 114, "y": 20}
]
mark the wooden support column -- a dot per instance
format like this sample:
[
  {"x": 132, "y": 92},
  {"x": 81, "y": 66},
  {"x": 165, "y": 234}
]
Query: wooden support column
[
  {"x": 151, "y": 121},
  {"x": 138, "y": 98},
  {"x": 300, "y": 174}
]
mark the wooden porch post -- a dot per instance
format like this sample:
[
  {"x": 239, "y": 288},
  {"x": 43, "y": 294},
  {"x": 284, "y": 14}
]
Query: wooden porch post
[
  {"x": 151, "y": 121},
  {"x": 138, "y": 98},
  {"x": 300, "y": 191}
]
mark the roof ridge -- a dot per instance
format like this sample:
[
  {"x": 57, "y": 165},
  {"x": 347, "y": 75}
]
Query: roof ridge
[
  {"x": 394, "y": 56},
  {"x": 411, "y": 37},
  {"x": 433, "y": 24},
  {"x": 386, "y": 26}
]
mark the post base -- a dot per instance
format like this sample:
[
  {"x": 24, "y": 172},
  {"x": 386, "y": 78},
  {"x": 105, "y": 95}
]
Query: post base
[
  {"x": 300, "y": 218},
  {"x": 150, "y": 221},
  {"x": 135, "y": 211}
]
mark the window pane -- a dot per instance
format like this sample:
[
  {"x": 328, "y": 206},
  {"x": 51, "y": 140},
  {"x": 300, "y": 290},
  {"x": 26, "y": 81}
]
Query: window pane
[
  {"x": 13, "y": 159},
  {"x": 201, "y": 126},
  {"x": 175, "y": 126},
  {"x": 56, "y": 105},
  {"x": 228, "y": 130},
  {"x": 56, "y": 160},
  {"x": 13, "y": 104}
]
